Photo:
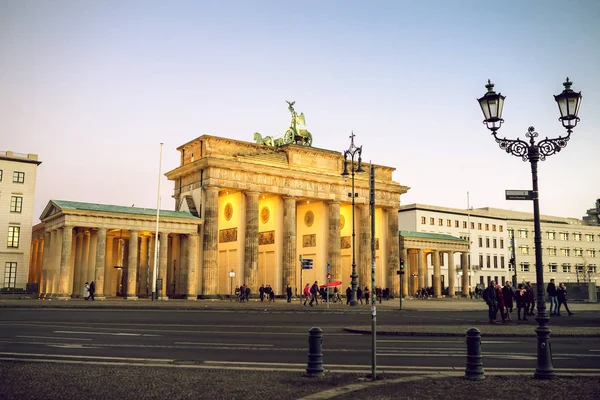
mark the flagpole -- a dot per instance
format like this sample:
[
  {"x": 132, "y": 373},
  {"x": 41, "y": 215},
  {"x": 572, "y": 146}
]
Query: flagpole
[{"x": 154, "y": 268}]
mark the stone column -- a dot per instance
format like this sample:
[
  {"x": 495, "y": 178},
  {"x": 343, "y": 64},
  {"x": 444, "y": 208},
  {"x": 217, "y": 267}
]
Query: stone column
[
  {"x": 132, "y": 262},
  {"x": 90, "y": 259},
  {"x": 289, "y": 243},
  {"x": 163, "y": 254},
  {"x": 46, "y": 286},
  {"x": 422, "y": 268},
  {"x": 40, "y": 258},
  {"x": 191, "y": 266},
  {"x": 56, "y": 246},
  {"x": 251, "y": 242},
  {"x": 437, "y": 274},
  {"x": 78, "y": 271},
  {"x": 99, "y": 268},
  {"x": 65, "y": 263},
  {"x": 465, "y": 274},
  {"x": 393, "y": 250},
  {"x": 407, "y": 275},
  {"x": 334, "y": 255},
  {"x": 33, "y": 251},
  {"x": 143, "y": 289},
  {"x": 210, "y": 242},
  {"x": 364, "y": 247},
  {"x": 451, "y": 275}
]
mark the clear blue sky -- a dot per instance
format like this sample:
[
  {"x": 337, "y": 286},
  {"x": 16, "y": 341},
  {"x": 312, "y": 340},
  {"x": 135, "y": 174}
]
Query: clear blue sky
[{"x": 93, "y": 87}]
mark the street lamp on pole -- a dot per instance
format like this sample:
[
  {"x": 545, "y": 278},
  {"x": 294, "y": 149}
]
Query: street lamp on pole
[
  {"x": 231, "y": 276},
  {"x": 349, "y": 154},
  {"x": 568, "y": 105}
]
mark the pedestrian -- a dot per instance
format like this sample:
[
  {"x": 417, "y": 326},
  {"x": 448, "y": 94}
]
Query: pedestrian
[
  {"x": 271, "y": 294},
  {"x": 306, "y": 293},
  {"x": 551, "y": 290},
  {"x": 359, "y": 295},
  {"x": 366, "y": 294},
  {"x": 242, "y": 292},
  {"x": 509, "y": 295},
  {"x": 379, "y": 292},
  {"x": 288, "y": 292},
  {"x": 86, "y": 291},
  {"x": 530, "y": 299},
  {"x": 261, "y": 292},
  {"x": 237, "y": 292},
  {"x": 348, "y": 294},
  {"x": 92, "y": 290},
  {"x": 500, "y": 297},
  {"x": 491, "y": 299},
  {"x": 247, "y": 293},
  {"x": 561, "y": 294},
  {"x": 521, "y": 300},
  {"x": 314, "y": 291}
]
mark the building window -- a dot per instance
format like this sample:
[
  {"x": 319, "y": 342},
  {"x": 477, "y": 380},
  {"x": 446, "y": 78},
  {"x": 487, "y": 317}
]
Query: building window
[
  {"x": 0, "y": 175},
  {"x": 502, "y": 265},
  {"x": 524, "y": 250},
  {"x": 592, "y": 269},
  {"x": 564, "y": 236},
  {"x": 487, "y": 227},
  {"x": 449, "y": 223},
  {"x": 496, "y": 262},
  {"x": 565, "y": 252},
  {"x": 511, "y": 267},
  {"x": 16, "y": 204},
  {"x": 501, "y": 243},
  {"x": 494, "y": 243},
  {"x": 457, "y": 224},
  {"x": 493, "y": 227},
  {"x": 488, "y": 261},
  {"x": 591, "y": 253},
  {"x": 552, "y": 251},
  {"x": 10, "y": 274},
  {"x": 579, "y": 268},
  {"x": 523, "y": 233},
  {"x": 423, "y": 220},
  {"x": 577, "y": 237},
  {"x": 511, "y": 233},
  {"x": 465, "y": 227},
  {"x": 481, "y": 261},
  {"x": 524, "y": 267},
  {"x": 578, "y": 252},
  {"x": 479, "y": 226},
  {"x": 480, "y": 241},
  {"x": 440, "y": 222},
  {"x": 431, "y": 221},
  {"x": 13, "y": 236},
  {"x": 472, "y": 225},
  {"x": 487, "y": 242},
  {"x": 501, "y": 228},
  {"x": 552, "y": 235},
  {"x": 18, "y": 177},
  {"x": 552, "y": 268},
  {"x": 566, "y": 268},
  {"x": 588, "y": 236}
]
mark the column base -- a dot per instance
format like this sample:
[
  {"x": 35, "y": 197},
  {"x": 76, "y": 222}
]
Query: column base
[
  {"x": 64, "y": 297},
  {"x": 193, "y": 298},
  {"x": 131, "y": 298},
  {"x": 163, "y": 298},
  {"x": 438, "y": 296}
]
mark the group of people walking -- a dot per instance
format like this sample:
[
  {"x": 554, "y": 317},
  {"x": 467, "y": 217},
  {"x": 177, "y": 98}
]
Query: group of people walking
[
  {"x": 88, "y": 290},
  {"x": 500, "y": 300}
]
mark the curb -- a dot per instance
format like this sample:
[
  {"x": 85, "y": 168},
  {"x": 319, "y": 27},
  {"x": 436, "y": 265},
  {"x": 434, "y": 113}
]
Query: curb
[{"x": 365, "y": 331}]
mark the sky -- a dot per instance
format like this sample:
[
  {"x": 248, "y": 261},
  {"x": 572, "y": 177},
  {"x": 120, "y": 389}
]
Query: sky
[{"x": 93, "y": 87}]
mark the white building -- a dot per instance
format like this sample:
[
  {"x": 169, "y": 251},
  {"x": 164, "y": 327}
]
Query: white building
[
  {"x": 571, "y": 246},
  {"x": 17, "y": 191}
]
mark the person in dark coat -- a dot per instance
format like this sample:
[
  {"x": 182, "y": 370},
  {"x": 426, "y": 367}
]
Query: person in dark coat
[
  {"x": 509, "y": 294},
  {"x": 247, "y": 293},
  {"x": 491, "y": 299},
  {"x": 551, "y": 290},
  {"x": 366, "y": 294},
  {"x": 521, "y": 300},
  {"x": 348, "y": 294},
  {"x": 359, "y": 294},
  {"x": 530, "y": 299},
  {"x": 261, "y": 292},
  {"x": 314, "y": 292},
  {"x": 500, "y": 297},
  {"x": 561, "y": 294},
  {"x": 92, "y": 289},
  {"x": 288, "y": 292}
]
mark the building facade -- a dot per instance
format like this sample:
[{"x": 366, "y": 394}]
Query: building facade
[
  {"x": 17, "y": 191},
  {"x": 245, "y": 213},
  {"x": 571, "y": 247}
]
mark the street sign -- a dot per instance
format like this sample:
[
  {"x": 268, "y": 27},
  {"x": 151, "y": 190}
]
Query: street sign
[
  {"x": 307, "y": 263},
  {"x": 328, "y": 268},
  {"x": 519, "y": 194},
  {"x": 328, "y": 276}
]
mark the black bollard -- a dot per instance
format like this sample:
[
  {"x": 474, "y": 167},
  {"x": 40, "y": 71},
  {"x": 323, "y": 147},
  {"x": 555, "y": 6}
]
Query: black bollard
[
  {"x": 474, "y": 369},
  {"x": 315, "y": 357}
]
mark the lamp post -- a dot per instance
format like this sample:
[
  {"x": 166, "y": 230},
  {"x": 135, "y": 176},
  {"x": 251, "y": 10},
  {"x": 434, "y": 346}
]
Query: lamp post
[
  {"x": 349, "y": 154},
  {"x": 231, "y": 276},
  {"x": 568, "y": 105}
]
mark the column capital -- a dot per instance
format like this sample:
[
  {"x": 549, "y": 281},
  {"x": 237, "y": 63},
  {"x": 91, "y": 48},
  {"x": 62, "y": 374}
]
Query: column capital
[
  {"x": 289, "y": 197},
  {"x": 211, "y": 188},
  {"x": 251, "y": 193}
]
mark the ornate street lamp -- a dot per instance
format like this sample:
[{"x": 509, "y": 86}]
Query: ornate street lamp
[
  {"x": 568, "y": 105},
  {"x": 354, "y": 168},
  {"x": 231, "y": 276}
]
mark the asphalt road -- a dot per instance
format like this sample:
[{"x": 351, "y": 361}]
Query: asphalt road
[{"x": 275, "y": 339}]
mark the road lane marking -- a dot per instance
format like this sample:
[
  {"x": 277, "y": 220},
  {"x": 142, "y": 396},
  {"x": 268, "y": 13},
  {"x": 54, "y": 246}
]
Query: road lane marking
[
  {"x": 226, "y": 344},
  {"x": 73, "y": 346},
  {"x": 105, "y": 333},
  {"x": 88, "y": 357},
  {"x": 458, "y": 341},
  {"x": 50, "y": 337}
]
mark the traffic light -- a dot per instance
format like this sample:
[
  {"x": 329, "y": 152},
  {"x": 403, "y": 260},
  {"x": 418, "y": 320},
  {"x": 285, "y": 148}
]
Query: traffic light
[{"x": 401, "y": 267}]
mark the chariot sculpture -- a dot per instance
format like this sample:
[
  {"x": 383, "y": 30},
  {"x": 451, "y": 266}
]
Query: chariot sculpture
[{"x": 295, "y": 134}]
